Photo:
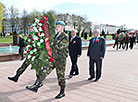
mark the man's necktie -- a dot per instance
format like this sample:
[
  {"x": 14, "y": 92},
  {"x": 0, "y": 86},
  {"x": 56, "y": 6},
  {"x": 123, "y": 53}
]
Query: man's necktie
[{"x": 94, "y": 40}]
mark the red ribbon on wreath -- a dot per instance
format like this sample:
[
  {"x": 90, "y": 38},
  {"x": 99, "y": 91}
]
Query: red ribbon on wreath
[{"x": 48, "y": 48}]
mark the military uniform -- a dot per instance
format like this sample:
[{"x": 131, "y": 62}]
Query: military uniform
[
  {"x": 57, "y": 59},
  {"x": 24, "y": 66},
  {"x": 20, "y": 71},
  {"x": 60, "y": 50}
]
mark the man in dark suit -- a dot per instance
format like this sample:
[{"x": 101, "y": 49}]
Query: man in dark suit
[
  {"x": 21, "y": 46},
  {"x": 96, "y": 52},
  {"x": 132, "y": 40},
  {"x": 75, "y": 48}
]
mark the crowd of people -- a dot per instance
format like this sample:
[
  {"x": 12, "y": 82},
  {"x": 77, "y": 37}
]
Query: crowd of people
[
  {"x": 61, "y": 45},
  {"x": 125, "y": 40}
]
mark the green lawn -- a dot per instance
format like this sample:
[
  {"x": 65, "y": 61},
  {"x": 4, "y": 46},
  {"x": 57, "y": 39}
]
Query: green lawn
[{"x": 9, "y": 39}]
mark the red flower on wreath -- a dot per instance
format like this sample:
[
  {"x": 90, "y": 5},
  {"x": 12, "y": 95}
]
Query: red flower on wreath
[
  {"x": 31, "y": 42},
  {"x": 43, "y": 27},
  {"x": 31, "y": 54},
  {"x": 41, "y": 20},
  {"x": 30, "y": 48},
  {"x": 97, "y": 40},
  {"x": 38, "y": 39},
  {"x": 31, "y": 38},
  {"x": 36, "y": 34},
  {"x": 45, "y": 17}
]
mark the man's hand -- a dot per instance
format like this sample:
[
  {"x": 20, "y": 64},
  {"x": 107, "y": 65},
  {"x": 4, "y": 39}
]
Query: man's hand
[
  {"x": 79, "y": 55},
  {"x": 102, "y": 58}
]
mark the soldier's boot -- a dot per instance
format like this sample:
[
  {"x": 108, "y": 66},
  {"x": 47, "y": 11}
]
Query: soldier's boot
[
  {"x": 61, "y": 94},
  {"x": 41, "y": 84},
  {"x": 15, "y": 78},
  {"x": 34, "y": 87},
  {"x": 20, "y": 71}
]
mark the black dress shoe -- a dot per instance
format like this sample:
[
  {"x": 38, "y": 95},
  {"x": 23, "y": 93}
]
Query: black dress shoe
[
  {"x": 61, "y": 94},
  {"x": 96, "y": 80},
  {"x": 14, "y": 79},
  {"x": 75, "y": 74},
  {"x": 35, "y": 86},
  {"x": 90, "y": 78}
]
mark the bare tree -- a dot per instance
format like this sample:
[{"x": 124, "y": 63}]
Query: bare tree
[
  {"x": 25, "y": 21},
  {"x": 13, "y": 13},
  {"x": 74, "y": 20},
  {"x": 80, "y": 21},
  {"x": 34, "y": 14},
  {"x": 5, "y": 14},
  {"x": 62, "y": 17}
]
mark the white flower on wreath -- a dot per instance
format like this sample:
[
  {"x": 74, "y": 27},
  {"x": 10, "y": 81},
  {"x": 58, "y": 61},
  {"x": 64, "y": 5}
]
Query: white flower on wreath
[
  {"x": 40, "y": 29},
  {"x": 35, "y": 38},
  {"x": 27, "y": 47},
  {"x": 39, "y": 24},
  {"x": 42, "y": 34},
  {"x": 34, "y": 45},
  {"x": 31, "y": 52},
  {"x": 35, "y": 50},
  {"x": 35, "y": 29},
  {"x": 36, "y": 20},
  {"x": 41, "y": 41},
  {"x": 38, "y": 43},
  {"x": 29, "y": 39},
  {"x": 29, "y": 56},
  {"x": 33, "y": 58}
]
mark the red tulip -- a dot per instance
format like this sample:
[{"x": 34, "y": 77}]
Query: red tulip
[
  {"x": 45, "y": 17},
  {"x": 31, "y": 42},
  {"x": 38, "y": 39},
  {"x": 41, "y": 20},
  {"x": 43, "y": 27},
  {"x": 36, "y": 34},
  {"x": 31, "y": 38}
]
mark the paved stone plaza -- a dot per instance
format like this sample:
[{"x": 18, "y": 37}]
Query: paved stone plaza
[{"x": 119, "y": 82}]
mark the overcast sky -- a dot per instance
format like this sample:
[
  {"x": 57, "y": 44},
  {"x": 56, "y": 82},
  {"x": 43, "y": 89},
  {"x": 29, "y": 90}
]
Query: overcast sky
[{"x": 114, "y": 12}]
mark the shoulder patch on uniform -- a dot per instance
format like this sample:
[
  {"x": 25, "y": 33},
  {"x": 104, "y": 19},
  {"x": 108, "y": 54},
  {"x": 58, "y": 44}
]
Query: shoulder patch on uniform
[{"x": 64, "y": 40}]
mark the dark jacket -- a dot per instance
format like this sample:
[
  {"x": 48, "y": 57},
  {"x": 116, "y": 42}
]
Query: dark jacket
[
  {"x": 75, "y": 46},
  {"x": 21, "y": 42},
  {"x": 97, "y": 49}
]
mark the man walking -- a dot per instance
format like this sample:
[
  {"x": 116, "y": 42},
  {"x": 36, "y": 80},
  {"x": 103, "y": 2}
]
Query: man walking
[
  {"x": 60, "y": 48},
  {"x": 75, "y": 48},
  {"x": 96, "y": 52},
  {"x": 21, "y": 47}
]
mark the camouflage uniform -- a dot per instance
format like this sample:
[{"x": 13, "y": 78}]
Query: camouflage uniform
[
  {"x": 60, "y": 50},
  {"x": 24, "y": 66}
]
